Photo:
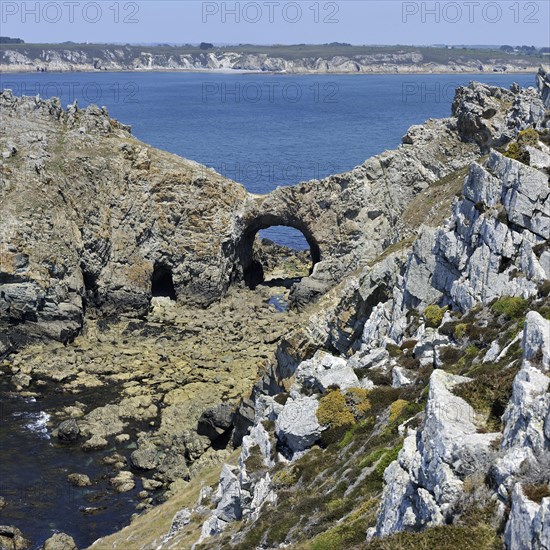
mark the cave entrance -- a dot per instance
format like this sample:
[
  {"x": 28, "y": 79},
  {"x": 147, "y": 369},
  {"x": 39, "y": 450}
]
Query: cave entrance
[
  {"x": 162, "y": 283},
  {"x": 276, "y": 254}
]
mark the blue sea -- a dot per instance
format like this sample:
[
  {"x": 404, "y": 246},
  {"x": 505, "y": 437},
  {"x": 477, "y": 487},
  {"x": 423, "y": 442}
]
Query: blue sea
[{"x": 263, "y": 130}]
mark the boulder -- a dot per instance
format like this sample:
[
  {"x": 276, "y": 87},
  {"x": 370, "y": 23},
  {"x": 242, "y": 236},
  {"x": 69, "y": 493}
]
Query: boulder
[
  {"x": 123, "y": 481},
  {"x": 145, "y": 458},
  {"x": 12, "y": 538},
  {"x": 297, "y": 427},
  {"x": 68, "y": 430},
  {"x": 180, "y": 520},
  {"x": 60, "y": 541},
  {"x": 324, "y": 370},
  {"x": 79, "y": 480}
]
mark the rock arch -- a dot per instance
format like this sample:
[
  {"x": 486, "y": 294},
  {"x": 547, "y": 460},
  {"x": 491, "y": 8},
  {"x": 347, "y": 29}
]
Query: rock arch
[{"x": 252, "y": 271}]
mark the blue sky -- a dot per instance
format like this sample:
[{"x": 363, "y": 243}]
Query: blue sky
[{"x": 279, "y": 21}]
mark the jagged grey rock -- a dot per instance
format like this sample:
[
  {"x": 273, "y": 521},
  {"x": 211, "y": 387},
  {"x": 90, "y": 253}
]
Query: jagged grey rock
[
  {"x": 140, "y": 208},
  {"x": 425, "y": 482},
  {"x": 528, "y": 525},
  {"x": 543, "y": 84},
  {"x": 324, "y": 370}
]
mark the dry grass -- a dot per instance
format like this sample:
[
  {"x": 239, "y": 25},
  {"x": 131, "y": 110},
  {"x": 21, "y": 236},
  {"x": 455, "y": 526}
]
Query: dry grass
[{"x": 147, "y": 532}]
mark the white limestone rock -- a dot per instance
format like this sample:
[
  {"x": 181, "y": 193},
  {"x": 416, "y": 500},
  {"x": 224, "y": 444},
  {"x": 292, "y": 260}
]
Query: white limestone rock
[
  {"x": 322, "y": 371},
  {"x": 426, "y": 481},
  {"x": 297, "y": 426},
  {"x": 528, "y": 526},
  {"x": 401, "y": 377}
]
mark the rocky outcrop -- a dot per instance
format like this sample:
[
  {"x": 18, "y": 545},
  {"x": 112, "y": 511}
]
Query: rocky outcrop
[
  {"x": 425, "y": 484},
  {"x": 528, "y": 526},
  {"x": 145, "y": 216},
  {"x": 480, "y": 117},
  {"x": 543, "y": 84},
  {"x": 504, "y": 214}
]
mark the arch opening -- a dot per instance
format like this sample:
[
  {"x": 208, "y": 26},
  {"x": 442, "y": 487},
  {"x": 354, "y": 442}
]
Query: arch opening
[
  {"x": 162, "y": 283},
  {"x": 271, "y": 259}
]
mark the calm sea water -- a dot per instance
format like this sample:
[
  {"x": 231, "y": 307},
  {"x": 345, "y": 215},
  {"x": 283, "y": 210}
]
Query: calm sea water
[{"x": 264, "y": 130}]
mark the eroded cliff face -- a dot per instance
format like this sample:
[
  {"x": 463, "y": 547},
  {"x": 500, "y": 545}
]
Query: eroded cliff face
[
  {"x": 90, "y": 215},
  {"x": 126, "y": 58}
]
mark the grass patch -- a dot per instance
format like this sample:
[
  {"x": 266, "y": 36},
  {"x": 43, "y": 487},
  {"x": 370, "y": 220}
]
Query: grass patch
[
  {"x": 536, "y": 491},
  {"x": 455, "y": 537},
  {"x": 489, "y": 393},
  {"x": 510, "y": 307},
  {"x": 433, "y": 315}
]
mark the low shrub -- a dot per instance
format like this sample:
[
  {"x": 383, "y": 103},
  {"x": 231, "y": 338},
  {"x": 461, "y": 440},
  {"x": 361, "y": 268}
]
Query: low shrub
[
  {"x": 544, "y": 289},
  {"x": 357, "y": 401},
  {"x": 516, "y": 152},
  {"x": 255, "y": 462},
  {"x": 334, "y": 413},
  {"x": 536, "y": 491},
  {"x": 393, "y": 350},
  {"x": 489, "y": 394},
  {"x": 397, "y": 408},
  {"x": 433, "y": 315},
  {"x": 511, "y": 307},
  {"x": 372, "y": 458},
  {"x": 284, "y": 478},
  {"x": 387, "y": 459},
  {"x": 460, "y": 330},
  {"x": 528, "y": 137},
  {"x": 457, "y": 537}
]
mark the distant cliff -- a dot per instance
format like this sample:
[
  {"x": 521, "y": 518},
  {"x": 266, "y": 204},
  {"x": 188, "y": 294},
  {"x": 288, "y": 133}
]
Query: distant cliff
[{"x": 285, "y": 59}]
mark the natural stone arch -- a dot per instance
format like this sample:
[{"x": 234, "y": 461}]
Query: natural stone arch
[{"x": 252, "y": 271}]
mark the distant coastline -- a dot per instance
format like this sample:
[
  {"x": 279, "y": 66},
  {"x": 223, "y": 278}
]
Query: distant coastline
[{"x": 247, "y": 59}]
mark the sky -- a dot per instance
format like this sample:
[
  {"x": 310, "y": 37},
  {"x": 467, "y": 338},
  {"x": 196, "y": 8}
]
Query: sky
[{"x": 514, "y": 22}]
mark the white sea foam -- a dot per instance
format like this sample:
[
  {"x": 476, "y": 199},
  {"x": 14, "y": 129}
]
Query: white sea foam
[{"x": 38, "y": 423}]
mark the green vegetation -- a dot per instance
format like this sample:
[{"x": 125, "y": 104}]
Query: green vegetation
[
  {"x": 387, "y": 459},
  {"x": 489, "y": 393},
  {"x": 393, "y": 350},
  {"x": 397, "y": 408},
  {"x": 372, "y": 458},
  {"x": 511, "y": 307},
  {"x": 516, "y": 152},
  {"x": 516, "y": 149},
  {"x": 333, "y": 413},
  {"x": 457, "y": 537},
  {"x": 284, "y": 478},
  {"x": 434, "y": 315},
  {"x": 460, "y": 330},
  {"x": 528, "y": 137}
]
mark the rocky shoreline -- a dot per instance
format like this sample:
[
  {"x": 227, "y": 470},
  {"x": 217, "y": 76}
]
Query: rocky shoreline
[{"x": 402, "y": 393}]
